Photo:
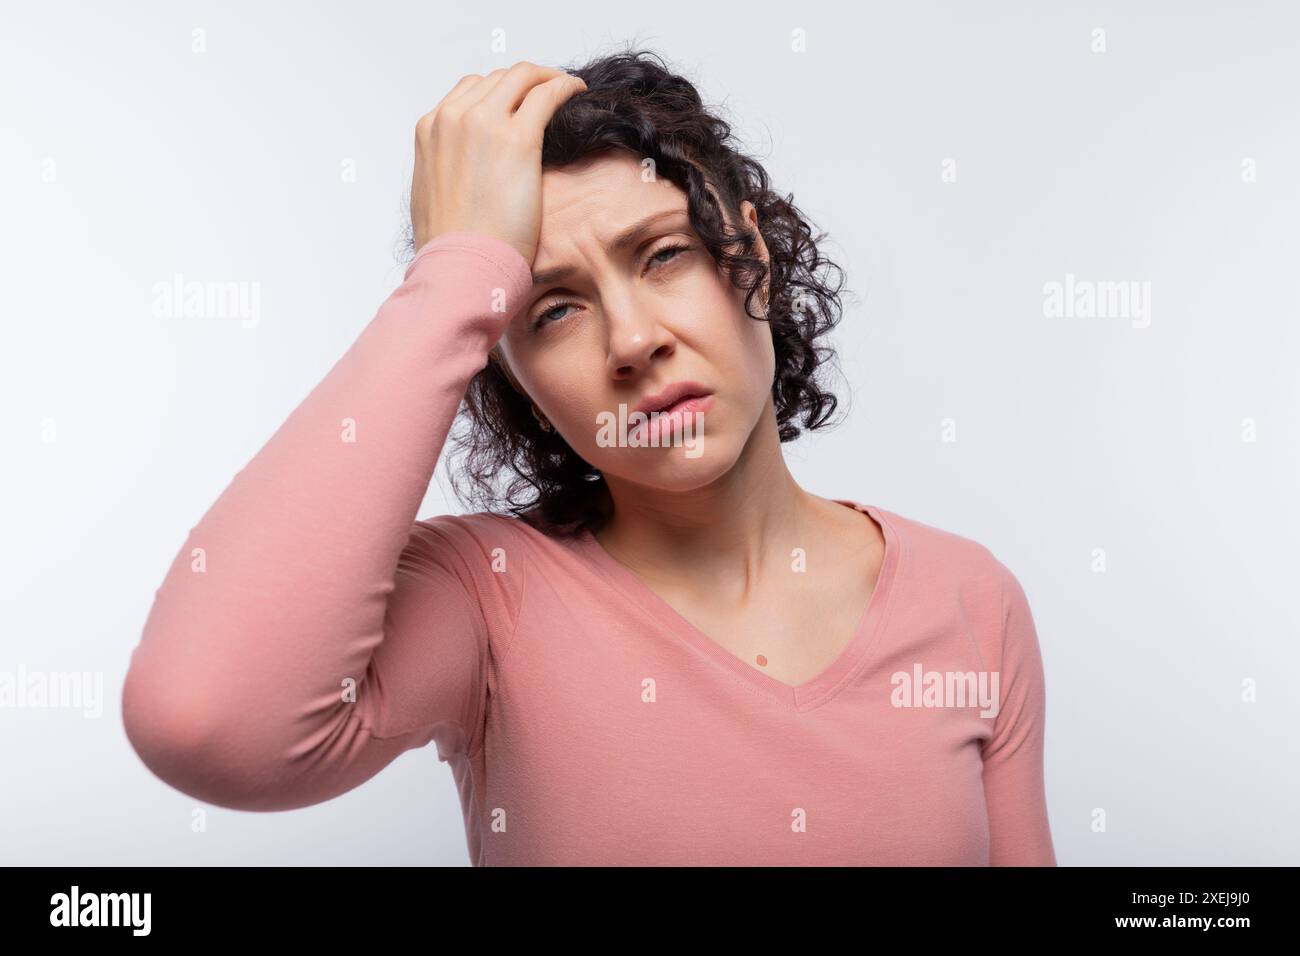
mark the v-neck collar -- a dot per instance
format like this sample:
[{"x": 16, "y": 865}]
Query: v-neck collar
[{"x": 809, "y": 694}]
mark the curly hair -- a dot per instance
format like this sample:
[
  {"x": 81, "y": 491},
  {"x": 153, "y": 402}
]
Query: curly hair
[{"x": 633, "y": 102}]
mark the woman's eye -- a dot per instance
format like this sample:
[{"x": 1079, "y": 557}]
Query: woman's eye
[
  {"x": 667, "y": 250},
  {"x": 543, "y": 318},
  {"x": 662, "y": 258}
]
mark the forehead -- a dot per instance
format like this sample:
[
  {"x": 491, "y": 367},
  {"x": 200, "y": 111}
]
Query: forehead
[{"x": 601, "y": 194}]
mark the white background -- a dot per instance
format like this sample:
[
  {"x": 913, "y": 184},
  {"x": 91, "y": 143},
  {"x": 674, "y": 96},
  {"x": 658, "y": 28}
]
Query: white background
[{"x": 1072, "y": 434}]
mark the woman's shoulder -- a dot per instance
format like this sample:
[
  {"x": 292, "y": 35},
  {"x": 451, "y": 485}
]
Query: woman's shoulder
[
  {"x": 960, "y": 573},
  {"x": 482, "y": 531},
  {"x": 950, "y": 554}
]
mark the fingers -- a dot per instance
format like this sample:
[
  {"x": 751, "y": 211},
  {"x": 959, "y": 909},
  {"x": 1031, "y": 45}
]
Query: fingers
[
  {"x": 509, "y": 90},
  {"x": 502, "y": 90},
  {"x": 463, "y": 86},
  {"x": 541, "y": 102},
  {"x": 466, "y": 83},
  {"x": 474, "y": 95}
]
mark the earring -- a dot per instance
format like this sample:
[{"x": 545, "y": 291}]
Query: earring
[{"x": 546, "y": 426}]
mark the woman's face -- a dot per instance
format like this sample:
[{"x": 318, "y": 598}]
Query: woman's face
[{"x": 630, "y": 319}]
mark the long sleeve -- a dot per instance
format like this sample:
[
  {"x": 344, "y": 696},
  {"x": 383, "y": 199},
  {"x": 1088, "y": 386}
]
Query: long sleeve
[
  {"x": 310, "y": 630},
  {"x": 1019, "y": 830}
]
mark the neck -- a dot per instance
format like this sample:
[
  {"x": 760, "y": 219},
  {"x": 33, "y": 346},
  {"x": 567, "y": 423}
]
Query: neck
[{"x": 746, "y": 520}]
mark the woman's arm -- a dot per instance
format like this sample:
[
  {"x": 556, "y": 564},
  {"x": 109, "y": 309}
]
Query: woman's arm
[
  {"x": 309, "y": 575},
  {"x": 310, "y": 630},
  {"x": 1019, "y": 830}
]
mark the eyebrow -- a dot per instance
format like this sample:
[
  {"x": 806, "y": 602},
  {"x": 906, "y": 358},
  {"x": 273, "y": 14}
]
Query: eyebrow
[{"x": 628, "y": 237}]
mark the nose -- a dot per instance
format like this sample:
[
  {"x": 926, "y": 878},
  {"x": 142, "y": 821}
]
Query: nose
[{"x": 636, "y": 337}]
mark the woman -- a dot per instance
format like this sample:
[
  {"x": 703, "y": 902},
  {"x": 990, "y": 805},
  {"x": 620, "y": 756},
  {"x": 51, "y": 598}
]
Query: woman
[{"x": 668, "y": 652}]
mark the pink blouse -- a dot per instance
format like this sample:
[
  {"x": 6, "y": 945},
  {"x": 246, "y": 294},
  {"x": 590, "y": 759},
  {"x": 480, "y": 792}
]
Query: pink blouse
[{"x": 311, "y": 629}]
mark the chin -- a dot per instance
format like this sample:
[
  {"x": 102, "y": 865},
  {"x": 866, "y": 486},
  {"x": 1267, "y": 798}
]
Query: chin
[{"x": 677, "y": 468}]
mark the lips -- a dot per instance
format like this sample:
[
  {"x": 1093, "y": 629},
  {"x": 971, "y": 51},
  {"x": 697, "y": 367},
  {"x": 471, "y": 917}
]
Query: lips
[
  {"x": 672, "y": 395},
  {"x": 679, "y": 404},
  {"x": 663, "y": 426}
]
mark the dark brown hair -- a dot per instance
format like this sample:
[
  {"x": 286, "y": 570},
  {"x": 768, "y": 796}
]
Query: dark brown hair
[{"x": 633, "y": 102}]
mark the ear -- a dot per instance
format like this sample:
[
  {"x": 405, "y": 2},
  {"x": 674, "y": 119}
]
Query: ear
[{"x": 749, "y": 215}]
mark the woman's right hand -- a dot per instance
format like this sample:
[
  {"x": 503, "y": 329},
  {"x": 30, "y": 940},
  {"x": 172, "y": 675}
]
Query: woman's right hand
[{"x": 478, "y": 155}]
